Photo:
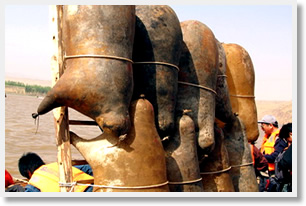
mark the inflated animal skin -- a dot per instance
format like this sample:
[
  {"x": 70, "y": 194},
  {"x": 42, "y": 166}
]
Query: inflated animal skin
[
  {"x": 181, "y": 157},
  {"x": 240, "y": 157},
  {"x": 98, "y": 79},
  {"x": 197, "y": 79},
  {"x": 241, "y": 84},
  {"x": 215, "y": 168},
  {"x": 223, "y": 104},
  {"x": 157, "y": 48},
  {"x": 134, "y": 164}
]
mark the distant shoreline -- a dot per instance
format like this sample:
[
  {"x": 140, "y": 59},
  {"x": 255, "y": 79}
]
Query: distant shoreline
[
  {"x": 21, "y": 88},
  {"x": 29, "y": 81}
]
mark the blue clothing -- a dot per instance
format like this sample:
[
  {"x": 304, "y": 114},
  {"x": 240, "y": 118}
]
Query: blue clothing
[
  {"x": 85, "y": 168},
  {"x": 31, "y": 188},
  {"x": 279, "y": 146}
]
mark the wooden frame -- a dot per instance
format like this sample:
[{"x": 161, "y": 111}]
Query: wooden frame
[{"x": 61, "y": 120}]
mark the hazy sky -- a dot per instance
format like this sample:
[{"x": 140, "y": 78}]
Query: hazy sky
[{"x": 264, "y": 31}]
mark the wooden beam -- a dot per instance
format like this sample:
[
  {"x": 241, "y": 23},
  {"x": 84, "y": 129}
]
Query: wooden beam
[
  {"x": 61, "y": 119},
  {"x": 79, "y": 162},
  {"x": 82, "y": 122}
]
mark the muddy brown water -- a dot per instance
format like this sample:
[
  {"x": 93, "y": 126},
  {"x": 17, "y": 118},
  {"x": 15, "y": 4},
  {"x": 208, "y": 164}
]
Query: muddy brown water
[{"x": 20, "y": 131}]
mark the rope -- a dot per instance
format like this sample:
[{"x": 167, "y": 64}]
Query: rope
[
  {"x": 199, "y": 86},
  {"x": 243, "y": 96},
  {"x": 112, "y": 187},
  {"x": 97, "y": 56},
  {"x": 185, "y": 182},
  {"x": 20, "y": 180},
  {"x": 117, "y": 58},
  {"x": 222, "y": 75},
  {"x": 161, "y": 63},
  {"x": 36, "y": 116},
  {"x": 243, "y": 165},
  {"x": 216, "y": 172},
  {"x": 73, "y": 185}
]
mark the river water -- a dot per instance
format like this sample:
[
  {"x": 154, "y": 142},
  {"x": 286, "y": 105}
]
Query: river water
[{"x": 20, "y": 129}]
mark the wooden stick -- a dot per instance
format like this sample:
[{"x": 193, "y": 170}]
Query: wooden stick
[
  {"x": 82, "y": 122},
  {"x": 79, "y": 162},
  {"x": 61, "y": 113}
]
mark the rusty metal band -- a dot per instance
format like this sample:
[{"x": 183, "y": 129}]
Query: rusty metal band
[
  {"x": 160, "y": 63},
  {"x": 186, "y": 182},
  {"x": 198, "y": 86},
  {"x": 97, "y": 56},
  {"x": 114, "y": 187},
  {"x": 243, "y": 165},
  {"x": 242, "y": 96},
  {"x": 216, "y": 172}
]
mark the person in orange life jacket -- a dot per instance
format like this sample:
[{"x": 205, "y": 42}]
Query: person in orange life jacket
[
  {"x": 44, "y": 177},
  {"x": 271, "y": 145}
]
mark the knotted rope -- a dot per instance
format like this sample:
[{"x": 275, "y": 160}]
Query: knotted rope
[
  {"x": 186, "y": 182},
  {"x": 97, "y": 56},
  {"x": 243, "y": 165},
  {"x": 36, "y": 116},
  {"x": 73, "y": 184},
  {"x": 242, "y": 96},
  {"x": 161, "y": 63},
  {"x": 216, "y": 172},
  {"x": 198, "y": 86}
]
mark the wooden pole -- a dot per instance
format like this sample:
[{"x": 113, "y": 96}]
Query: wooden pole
[{"x": 61, "y": 113}]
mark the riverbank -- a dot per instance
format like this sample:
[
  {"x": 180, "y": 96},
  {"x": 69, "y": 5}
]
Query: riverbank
[
  {"x": 45, "y": 83},
  {"x": 22, "y": 87}
]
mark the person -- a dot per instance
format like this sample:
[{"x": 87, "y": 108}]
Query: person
[
  {"x": 260, "y": 166},
  {"x": 11, "y": 185},
  {"x": 282, "y": 182},
  {"x": 8, "y": 179},
  {"x": 271, "y": 145},
  {"x": 44, "y": 177}
]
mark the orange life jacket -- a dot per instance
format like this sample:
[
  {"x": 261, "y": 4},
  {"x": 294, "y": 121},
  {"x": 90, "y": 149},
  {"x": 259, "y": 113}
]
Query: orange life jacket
[
  {"x": 252, "y": 152},
  {"x": 46, "y": 178},
  {"x": 268, "y": 146}
]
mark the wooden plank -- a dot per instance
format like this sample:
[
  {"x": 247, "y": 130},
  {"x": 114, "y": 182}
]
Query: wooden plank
[
  {"x": 86, "y": 181},
  {"x": 82, "y": 122},
  {"x": 79, "y": 162},
  {"x": 61, "y": 113}
]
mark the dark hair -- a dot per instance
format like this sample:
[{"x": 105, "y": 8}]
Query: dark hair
[
  {"x": 29, "y": 162},
  {"x": 275, "y": 124},
  {"x": 285, "y": 130}
]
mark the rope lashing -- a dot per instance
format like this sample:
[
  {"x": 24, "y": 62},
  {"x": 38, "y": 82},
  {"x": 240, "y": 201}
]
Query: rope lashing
[
  {"x": 160, "y": 63},
  {"x": 73, "y": 184},
  {"x": 222, "y": 75},
  {"x": 242, "y": 96},
  {"x": 216, "y": 172},
  {"x": 97, "y": 56},
  {"x": 198, "y": 86},
  {"x": 186, "y": 182},
  {"x": 243, "y": 165},
  {"x": 117, "y": 58},
  {"x": 36, "y": 117}
]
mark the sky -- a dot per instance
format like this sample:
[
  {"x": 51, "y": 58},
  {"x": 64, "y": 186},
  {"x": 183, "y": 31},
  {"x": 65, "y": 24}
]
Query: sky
[{"x": 265, "y": 31}]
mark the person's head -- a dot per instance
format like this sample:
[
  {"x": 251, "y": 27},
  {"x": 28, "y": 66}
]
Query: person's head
[
  {"x": 268, "y": 124},
  {"x": 286, "y": 132},
  {"x": 28, "y": 163}
]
